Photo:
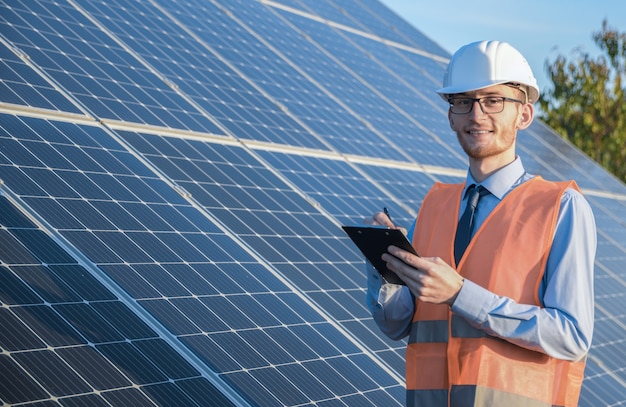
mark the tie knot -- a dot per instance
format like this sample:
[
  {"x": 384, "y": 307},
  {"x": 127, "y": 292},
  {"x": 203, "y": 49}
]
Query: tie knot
[{"x": 474, "y": 193}]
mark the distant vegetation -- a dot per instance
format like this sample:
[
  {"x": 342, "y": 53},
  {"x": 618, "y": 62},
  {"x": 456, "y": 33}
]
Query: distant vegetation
[{"x": 587, "y": 104}]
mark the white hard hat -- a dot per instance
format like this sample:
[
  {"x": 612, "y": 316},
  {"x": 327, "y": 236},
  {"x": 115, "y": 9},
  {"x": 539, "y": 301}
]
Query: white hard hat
[{"x": 486, "y": 63}]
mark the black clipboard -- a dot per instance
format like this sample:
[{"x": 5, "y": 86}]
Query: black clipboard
[{"x": 373, "y": 241}]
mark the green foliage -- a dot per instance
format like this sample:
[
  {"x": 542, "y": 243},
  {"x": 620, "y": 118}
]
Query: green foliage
[{"x": 588, "y": 104}]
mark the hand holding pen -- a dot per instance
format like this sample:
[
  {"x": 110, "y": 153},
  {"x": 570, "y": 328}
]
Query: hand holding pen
[
  {"x": 386, "y": 212},
  {"x": 381, "y": 219}
]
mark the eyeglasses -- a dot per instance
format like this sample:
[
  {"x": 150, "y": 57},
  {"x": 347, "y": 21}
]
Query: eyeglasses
[{"x": 488, "y": 104}]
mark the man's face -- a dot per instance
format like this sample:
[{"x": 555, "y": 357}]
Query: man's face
[{"x": 487, "y": 135}]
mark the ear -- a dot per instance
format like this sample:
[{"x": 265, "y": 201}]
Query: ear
[
  {"x": 451, "y": 120},
  {"x": 526, "y": 116}
]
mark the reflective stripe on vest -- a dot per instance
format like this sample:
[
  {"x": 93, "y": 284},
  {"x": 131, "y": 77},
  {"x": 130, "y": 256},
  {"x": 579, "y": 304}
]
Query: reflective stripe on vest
[
  {"x": 462, "y": 396},
  {"x": 451, "y": 363}
]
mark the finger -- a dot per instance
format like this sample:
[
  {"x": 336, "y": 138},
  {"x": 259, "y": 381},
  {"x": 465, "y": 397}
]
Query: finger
[
  {"x": 380, "y": 218},
  {"x": 375, "y": 219},
  {"x": 410, "y": 276},
  {"x": 391, "y": 260},
  {"x": 405, "y": 256}
]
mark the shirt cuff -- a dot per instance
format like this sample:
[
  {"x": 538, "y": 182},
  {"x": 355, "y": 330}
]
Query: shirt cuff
[{"x": 472, "y": 302}]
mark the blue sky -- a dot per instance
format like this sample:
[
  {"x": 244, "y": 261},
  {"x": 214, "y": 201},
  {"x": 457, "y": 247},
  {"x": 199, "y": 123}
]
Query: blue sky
[{"x": 539, "y": 29}]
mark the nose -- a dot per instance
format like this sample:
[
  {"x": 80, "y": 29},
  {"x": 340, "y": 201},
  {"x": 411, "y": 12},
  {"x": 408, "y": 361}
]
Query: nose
[{"x": 477, "y": 111}]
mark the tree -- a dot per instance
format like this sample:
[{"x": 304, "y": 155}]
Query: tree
[{"x": 587, "y": 104}]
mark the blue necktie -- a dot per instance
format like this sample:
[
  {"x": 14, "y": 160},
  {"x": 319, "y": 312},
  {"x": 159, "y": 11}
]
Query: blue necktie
[{"x": 466, "y": 223}]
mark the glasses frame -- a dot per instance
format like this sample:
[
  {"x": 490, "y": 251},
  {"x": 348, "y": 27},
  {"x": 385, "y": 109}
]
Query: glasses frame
[{"x": 479, "y": 100}]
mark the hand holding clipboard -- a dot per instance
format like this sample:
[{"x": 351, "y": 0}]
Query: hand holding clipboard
[{"x": 373, "y": 241}]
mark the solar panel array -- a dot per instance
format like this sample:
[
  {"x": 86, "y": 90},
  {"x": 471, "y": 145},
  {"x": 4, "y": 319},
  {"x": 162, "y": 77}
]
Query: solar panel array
[{"x": 174, "y": 175}]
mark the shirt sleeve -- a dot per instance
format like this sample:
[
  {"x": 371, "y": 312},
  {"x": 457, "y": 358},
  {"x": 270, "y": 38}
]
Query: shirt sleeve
[
  {"x": 391, "y": 305},
  {"x": 563, "y": 327}
]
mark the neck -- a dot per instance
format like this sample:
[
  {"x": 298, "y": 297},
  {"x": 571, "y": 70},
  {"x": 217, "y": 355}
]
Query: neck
[{"x": 482, "y": 168}]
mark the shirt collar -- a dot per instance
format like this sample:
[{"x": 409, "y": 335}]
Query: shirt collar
[{"x": 500, "y": 182}]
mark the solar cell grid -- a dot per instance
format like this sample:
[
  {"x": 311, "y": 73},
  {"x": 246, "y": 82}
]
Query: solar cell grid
[
  {"x": 63, "y": 319},
  {"x": 322, "y": 113},
  {"x": 307, "y": 173},
  {"x": 364, "y": 16},
  {"x": 411, "y": 35},
  {"x": 546, "y": 153},
  {"x": 361, "y": 17},
  {"x": 368, "y": 20},
  {"x": 21, "y": 85},
  {"x": 338, "y": 188},
  {"x": 270, "y": 232},
  {"x": 199, "y": 71},
  {"x": 601, "y": 389},
  {"x": 84, "y": 65},
  {"x": 416, "y": 122},
  {"x": 347, "y": 192},
  {"x": 130, "y": 257},
  {"x": 409, "y": 83},
  {"x": 365, "y": 99}
]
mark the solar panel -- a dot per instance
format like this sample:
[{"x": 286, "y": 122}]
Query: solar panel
[
  {"x": 129, "y": 235},
  {"x": 173, "y": 178},
  {"x": 21, "y": 85},
  {"x": 103, "y": 76},
  {"x": 57, "y": 315}
]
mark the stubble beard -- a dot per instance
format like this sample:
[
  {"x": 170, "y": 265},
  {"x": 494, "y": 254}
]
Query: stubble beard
[{"x": 482, "y": 151}]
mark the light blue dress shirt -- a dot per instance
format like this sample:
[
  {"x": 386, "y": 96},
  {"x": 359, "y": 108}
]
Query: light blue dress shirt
[{"x": 562, "y": 328}]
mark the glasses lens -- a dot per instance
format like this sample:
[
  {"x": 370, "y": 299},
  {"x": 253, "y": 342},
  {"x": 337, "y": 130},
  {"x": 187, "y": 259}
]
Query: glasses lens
[
  {"x": 461, "y": 105},
  {"x": 488, "y": 104},
  {"x": 492, "y": 104}
]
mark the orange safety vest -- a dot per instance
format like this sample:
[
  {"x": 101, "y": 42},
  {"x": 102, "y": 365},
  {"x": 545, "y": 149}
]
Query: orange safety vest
[{"x": 451, "y": 363}]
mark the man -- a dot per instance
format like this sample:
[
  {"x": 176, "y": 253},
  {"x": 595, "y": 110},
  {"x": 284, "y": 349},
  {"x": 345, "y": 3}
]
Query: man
[{"x": 509, "y": 321}]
